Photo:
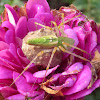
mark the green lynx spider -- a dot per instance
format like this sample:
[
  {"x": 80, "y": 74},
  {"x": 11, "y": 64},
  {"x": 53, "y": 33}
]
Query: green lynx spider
[{"x": 56, "y": 42}]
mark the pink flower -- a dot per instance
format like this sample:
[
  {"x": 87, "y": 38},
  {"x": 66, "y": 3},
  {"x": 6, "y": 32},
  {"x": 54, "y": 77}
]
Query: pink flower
[{"x": 68, "y": 78}]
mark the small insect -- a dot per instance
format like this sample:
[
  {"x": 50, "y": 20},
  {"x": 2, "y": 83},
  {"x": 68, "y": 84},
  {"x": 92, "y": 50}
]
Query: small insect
[{"x": 46, "y": 46}]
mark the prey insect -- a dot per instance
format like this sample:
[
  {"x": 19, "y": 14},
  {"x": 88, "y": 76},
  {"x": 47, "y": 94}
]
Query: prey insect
[{"x": 48, "y": 44}]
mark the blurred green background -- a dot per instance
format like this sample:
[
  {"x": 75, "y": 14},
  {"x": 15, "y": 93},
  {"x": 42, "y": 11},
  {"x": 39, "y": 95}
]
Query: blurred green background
[{"x": 91, "y": 8}]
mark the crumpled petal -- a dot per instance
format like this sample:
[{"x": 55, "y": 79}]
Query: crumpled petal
[
  {"x": 68, "y": 83},
  {"x": 40, "y": 97},
  {"x": 81, "y": 36},
  {"x": 74, "y": 69},
  {"x": 82, "y": 82},
  {"x": 91, "y": 42},
  {"x": 55, "y": 77}
]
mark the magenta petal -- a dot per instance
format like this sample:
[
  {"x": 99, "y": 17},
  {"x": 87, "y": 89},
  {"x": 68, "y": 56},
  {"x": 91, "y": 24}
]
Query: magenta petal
[
  {"x": 16, "y": 97},
  {"x": 8, "y": 25},
  {"x": 74, "y": 69},
  {"x": 37, "y": 8},
  {"x": 55, "y": 77},
  {"x": 5, "y": 54},
  {"x": 10, "y": 37},
  {"x": 40, "y": 97},
  {"x": 91, "y": 41},
  {"x": 32, "y": 26},
  {"x": 72, "y": 34},
  {"x": 30, "y": 7},
  {"x": 87, "y": 27},
  {"x": 81, "y": 36},
  {"x": 3, "y": 62},
  {"x": 45, "y": 18},
  {"x": 22, "y": 57},
  {"x": 7, "y": 58},
  {"x": 7, "y": 91},
  {"x": 29, "y": 77},
  {"x": 13, "y": 18},
  {"x": 82, "y": 81},
  {"x": 41, "y": 74},
  {"x": 5, "y": 82},
  {"x": 3, "y": 45},
  {"x": 21, "y": 28},
  {"x": 85, "y": 91},
  {"x": 5, "y": 73},
  {"x": 68, "y": 83},
  {"x": 18, "y": 42},
  {"x": 23, "y": 87},
  {"x": 2, "y": 34},
  {"x": 13, "y": 51}
]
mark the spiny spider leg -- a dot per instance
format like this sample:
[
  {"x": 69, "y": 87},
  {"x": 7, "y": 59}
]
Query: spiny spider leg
[
  {"x": 56, "y": 28},
  {"x": 75, "y": 47},
  {"x": 67, "y": 21},
  {"x": 64, "y": 50},
  {"x": 39, "y": 54},
  {"x": 62, "y": 15},
  {"x": 53, "y": 52},
  {"x": 47, "y": 27}
]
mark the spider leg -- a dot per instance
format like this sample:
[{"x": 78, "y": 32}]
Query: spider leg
[
  {"x": 55, "y": 27},
  {"x": 39, "y": 54},
  {"x": 75, "y": 47},
  {"x": 64, "y": 50},
  {"x": 62, "y": 28},
  {"x": 47, "y": 27},
  {"x": 53, "y": 52},
  {"x": 62, "y": 23}
]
